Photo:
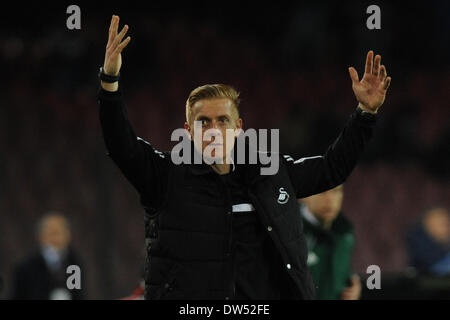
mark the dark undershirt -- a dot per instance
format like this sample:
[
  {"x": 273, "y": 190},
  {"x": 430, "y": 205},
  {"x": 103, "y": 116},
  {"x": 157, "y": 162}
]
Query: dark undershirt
[{"x": 252, "y": 258}]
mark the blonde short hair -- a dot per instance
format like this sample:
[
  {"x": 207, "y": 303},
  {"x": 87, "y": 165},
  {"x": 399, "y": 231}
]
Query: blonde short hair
[{"x": 210, "y": 91}]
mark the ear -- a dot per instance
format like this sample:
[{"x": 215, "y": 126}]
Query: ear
[
  {"x": 239, "y": 124},
  {"x": 187, "y": 127}
]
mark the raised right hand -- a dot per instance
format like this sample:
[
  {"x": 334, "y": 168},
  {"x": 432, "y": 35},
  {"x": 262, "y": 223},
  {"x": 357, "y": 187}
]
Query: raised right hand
[{"x": 113, "y": 56}]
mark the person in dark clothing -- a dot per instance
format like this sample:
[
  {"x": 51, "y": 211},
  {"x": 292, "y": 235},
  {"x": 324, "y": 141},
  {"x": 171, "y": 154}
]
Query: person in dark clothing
[
  {"x": 220, "y": 229},
  {"x": 428, "y": 243},
  {"x": 330, "y": 239},
  {"x": 42, "y": 276}
]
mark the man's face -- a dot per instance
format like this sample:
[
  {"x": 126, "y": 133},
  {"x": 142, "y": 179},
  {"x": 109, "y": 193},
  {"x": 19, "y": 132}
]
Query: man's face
[
  {"x": 326, "y": 205},
  {"x": 55, "y": 232},
  {"x": 216, "y": 116},
  {"x": 437, "y": 224}
]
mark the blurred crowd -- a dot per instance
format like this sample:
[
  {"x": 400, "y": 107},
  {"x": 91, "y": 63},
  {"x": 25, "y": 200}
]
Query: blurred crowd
[{"x": 290, "y": 65}]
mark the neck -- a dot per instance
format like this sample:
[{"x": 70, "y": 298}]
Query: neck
[
  {"x": 326, "y": 224},
  {"x": 221, "y": 168}
]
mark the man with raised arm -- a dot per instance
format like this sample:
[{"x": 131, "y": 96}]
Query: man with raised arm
[{"x": 223, "y": 230}]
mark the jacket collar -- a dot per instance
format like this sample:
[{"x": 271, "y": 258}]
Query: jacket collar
[
  {"x": 202, "y": 168},
  {"x": 309, "y": 216},
  {"x": 251, "y": 171}
]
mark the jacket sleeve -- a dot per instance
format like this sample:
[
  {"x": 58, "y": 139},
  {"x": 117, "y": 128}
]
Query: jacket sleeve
[
  {"x": 145, "y": 167},
  {"x": 312, "y": 175}
]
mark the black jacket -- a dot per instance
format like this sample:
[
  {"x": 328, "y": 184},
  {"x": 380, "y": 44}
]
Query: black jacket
[{"x": 186, "y": 207}]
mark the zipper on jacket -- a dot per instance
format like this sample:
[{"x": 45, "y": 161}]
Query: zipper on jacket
[
  {"x": 230, "y": 255},
  {"x": 229, "y": 250},
  {"x": 275, "y": 239}
]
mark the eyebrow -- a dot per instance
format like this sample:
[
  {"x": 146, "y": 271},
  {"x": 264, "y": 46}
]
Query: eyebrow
[{"x": 207, "y": 118}]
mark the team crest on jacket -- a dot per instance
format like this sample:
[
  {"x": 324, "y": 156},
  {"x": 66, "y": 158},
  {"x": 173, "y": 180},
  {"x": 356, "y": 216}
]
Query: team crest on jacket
[{"x": 283, "y": 197}]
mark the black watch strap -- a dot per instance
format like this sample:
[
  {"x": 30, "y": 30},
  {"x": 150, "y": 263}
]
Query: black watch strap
[{"x": 107, "y": 78}]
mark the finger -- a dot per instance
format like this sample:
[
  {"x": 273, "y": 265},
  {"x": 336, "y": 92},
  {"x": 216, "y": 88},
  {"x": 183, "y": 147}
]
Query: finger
[
  {"x": 355, "y": 278},
  {"x": 110, "y": 32},
  {"x": 116, "y": 25},
  {"x": 369, "y": 62},
  {"x": 120, "y": 36},
  {"x": 376, "y": 67},
  {"x": 356, "y": 285},
  {"x": 124, "y": 43},
  {"x": 382, "y": 75},
  {"x": 387, "y": 83},
  {"x": 353, "y": 75},
  {"x": 345, "y": 296}
]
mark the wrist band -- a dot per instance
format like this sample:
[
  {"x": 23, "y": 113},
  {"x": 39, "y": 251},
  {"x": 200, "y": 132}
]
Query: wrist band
[
  {"x": 366, "y": 114},
  {"x": 107, "y": 78}
]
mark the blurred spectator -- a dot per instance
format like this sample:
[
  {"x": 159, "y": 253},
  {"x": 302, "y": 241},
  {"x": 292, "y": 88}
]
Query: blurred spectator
[
  {"x": 330, "y": 239},
  {"x": 42, "y": 276},
  {"x": 428, "y": 243}
]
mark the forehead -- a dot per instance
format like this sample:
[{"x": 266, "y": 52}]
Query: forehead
[
  {"x": 438, "y": 213},
  {"x": 212, "y": 107},
  {"x": 52, "y": 222}
]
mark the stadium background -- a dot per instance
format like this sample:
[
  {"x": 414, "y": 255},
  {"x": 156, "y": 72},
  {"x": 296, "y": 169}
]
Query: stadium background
[{"x": 288, "y": 60}]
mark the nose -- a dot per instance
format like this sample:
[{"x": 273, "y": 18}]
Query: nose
[
  {"x": 215, "y": 124},
  {"x": 213, "y": 133}
]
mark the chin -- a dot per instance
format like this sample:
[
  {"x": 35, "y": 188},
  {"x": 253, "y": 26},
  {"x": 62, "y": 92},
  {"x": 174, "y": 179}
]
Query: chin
[
  {"x": 213, "y": 159},
  {"x": 215, "y": 156}
]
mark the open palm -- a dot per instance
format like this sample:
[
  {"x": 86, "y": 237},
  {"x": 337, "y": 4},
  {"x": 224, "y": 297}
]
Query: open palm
[{"x": 371, "y": 90}]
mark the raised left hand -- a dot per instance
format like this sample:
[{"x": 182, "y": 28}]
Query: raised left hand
[{"x": 371, "y": 90}]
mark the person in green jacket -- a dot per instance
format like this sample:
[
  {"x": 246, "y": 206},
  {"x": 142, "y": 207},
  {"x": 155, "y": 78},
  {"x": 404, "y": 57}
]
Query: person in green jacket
[{"x": 330, "y": 239}]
